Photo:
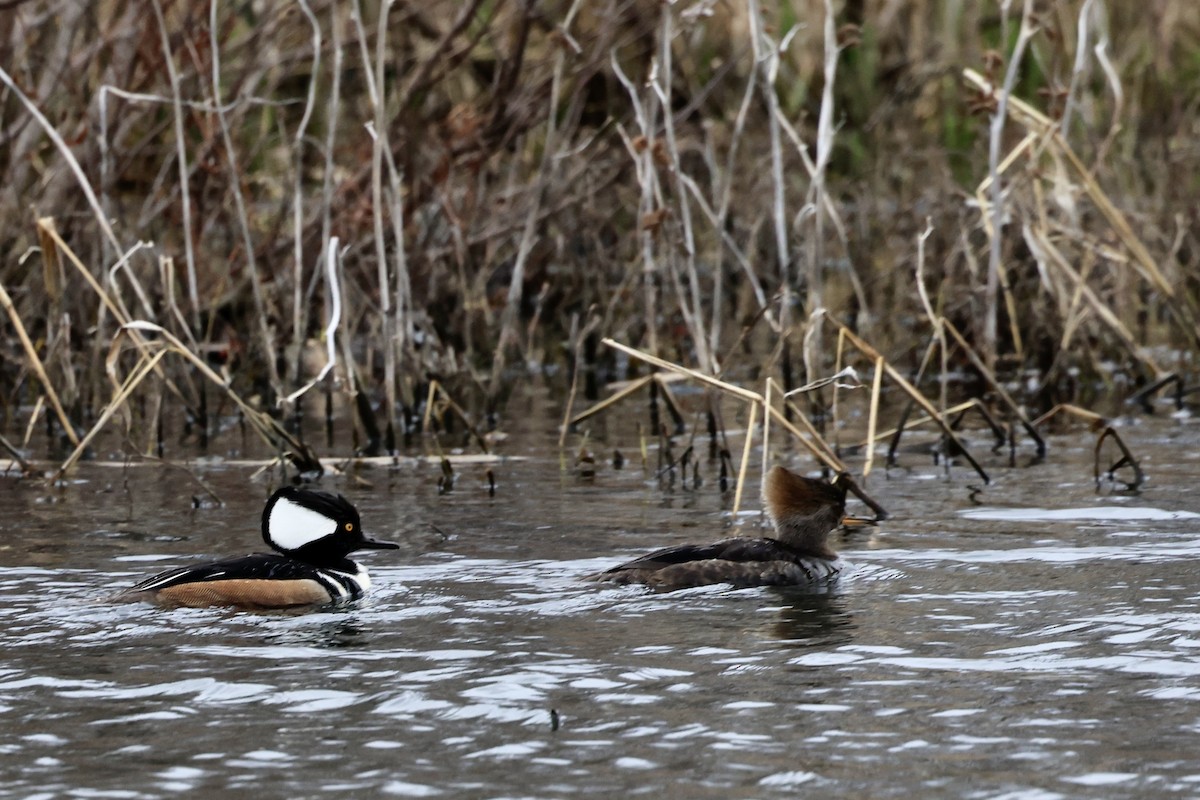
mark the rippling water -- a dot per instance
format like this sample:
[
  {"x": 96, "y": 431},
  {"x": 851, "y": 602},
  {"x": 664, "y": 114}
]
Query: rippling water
[{"x": 1038, "y": 640}]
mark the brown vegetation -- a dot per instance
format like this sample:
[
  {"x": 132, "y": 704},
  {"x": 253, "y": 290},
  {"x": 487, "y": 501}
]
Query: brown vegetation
[{"x": 459, "y": 189}]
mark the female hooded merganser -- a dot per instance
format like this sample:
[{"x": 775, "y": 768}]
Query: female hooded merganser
[
  {"x": 312, "y": 531},
  {"x": 803, "y": 511}
]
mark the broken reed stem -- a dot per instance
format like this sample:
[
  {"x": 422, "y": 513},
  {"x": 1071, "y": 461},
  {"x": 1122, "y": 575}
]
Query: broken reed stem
[
  {"x": 121, "y": 393},
  {"x": 34, "y": 416},
  {"x": 1067, "y": 408},
  {"x": 7, "y": 446},
  {"x": 738, "y": 391},
  {"x": 268, "y": 429},
  {"x": 1004, "y": 396},
  {"x": 816, "y": 444},
  {"x": 1127, "y": 458},
  {"x": 35, "y": 364},
  {"x": 910, "y": 424},
  {"x": 914, "y": 393},
  {"x": 436, "y": 389},
  {"x": 616, "y": 398}
]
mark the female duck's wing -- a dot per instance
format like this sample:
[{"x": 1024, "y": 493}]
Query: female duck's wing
[
  {"x": 740, "y": 562},
  {"x": 738, "y": 549}
]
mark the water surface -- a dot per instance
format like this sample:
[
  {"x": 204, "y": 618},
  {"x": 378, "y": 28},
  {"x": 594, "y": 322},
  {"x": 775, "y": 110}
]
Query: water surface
[{"x": 1035, "y": 639}]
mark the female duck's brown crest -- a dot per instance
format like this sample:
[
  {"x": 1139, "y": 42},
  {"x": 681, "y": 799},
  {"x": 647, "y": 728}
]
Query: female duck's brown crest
[{"x": 804, "y": 510}]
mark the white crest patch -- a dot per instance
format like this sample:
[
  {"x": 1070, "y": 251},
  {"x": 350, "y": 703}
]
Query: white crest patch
[{"x": 292, "y": 526}]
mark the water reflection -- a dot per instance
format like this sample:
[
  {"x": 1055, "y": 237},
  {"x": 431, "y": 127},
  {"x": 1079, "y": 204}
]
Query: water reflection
[{"x": 813, "y": 619}]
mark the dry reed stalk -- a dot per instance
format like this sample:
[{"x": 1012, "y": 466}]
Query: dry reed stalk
[
  {"x": 746, "y": 445},
  {"x": 873, "y": 417},
  {"x": 817, "y": 193},
  {"x": 719, "y": 219},
  {"x": 766, "y": 59},
  {"x": 38, "y": 408},
  {"x": 333, "y": 288},
  {"x": 651, "y": 209},
  {"x": 508, "y": 319},
  {"x": 914, "y": 393},
  {"x": 716, "y": 221},
  {"x": 1045, "y": 252},
  {"x": 35, "y": 364},
  {"x": 235, "y": 188},
  {"x": 981, "y": 198},
  {"x": 293, "y": 376},
  {"x": 935, "y": 319},
  {"x": 185, "y": 193},
  {"x": 380, "y": 143},
  {"x": 166, "y": 273},
  {"x": 690, "y": 303},
  {"x": 332, "y": 118},
  {"x": 577, "y": 341},
  {"x": 766, "y": 435},
  {"x": 1143, "y": 262},
  {"x": 999, "y": 116}
]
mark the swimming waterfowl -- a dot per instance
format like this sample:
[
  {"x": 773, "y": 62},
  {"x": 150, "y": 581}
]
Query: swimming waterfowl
[
  {"x": 313, "y": 534},
  {"x": 803, "y": 510}
]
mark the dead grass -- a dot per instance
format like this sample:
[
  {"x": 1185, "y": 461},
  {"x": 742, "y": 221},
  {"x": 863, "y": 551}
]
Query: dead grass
[{"x": 696, "y": 180}]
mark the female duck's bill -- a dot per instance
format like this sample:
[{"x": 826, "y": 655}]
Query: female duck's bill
[
  {"x": 803, "y": 511},
  {"x": 313, "y": 534}
]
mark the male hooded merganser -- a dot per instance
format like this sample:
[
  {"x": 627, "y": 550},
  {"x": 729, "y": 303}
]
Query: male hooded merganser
[
  {"x": 803, "y": 510},
  {"x": 312, "y": 531}
]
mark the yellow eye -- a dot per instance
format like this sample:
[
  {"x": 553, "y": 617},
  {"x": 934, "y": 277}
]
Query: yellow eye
[{"x": 349, "y": 526}]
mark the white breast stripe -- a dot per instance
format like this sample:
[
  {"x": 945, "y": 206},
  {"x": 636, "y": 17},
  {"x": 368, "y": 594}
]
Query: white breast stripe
[
  {"x": 345, "y": 585},
  {"x": 292, "y": 525}
]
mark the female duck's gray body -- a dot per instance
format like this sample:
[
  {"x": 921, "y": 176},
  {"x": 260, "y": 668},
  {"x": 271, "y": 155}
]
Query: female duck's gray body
[
  {"x": 803, "y": 511},
  {"x": 313, "y": 534}
]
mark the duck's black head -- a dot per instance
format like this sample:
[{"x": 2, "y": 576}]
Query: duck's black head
[{"x": 317, "y": 527}]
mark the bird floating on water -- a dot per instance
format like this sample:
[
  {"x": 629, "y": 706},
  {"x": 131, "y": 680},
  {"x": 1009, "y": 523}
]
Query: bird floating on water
[
  {"x": 313, "y": 534},
  {"x": 803, "y": 510}
]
